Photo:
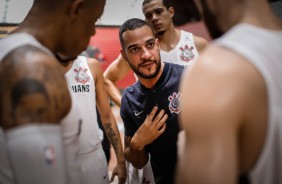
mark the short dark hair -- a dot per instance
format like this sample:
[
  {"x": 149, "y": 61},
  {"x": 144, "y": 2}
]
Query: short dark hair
[
  {"x": 166, "y": 3},
  {"x": 131, "y": 24}
]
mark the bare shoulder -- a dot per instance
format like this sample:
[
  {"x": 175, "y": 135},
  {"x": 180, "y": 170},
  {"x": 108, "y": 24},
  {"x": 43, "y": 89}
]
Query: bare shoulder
[
  {"x": 33, "y": 88},
  {"x": 95, "y": 67},
  {"x": 219, "y": 88},
  {"x": 94, "y": 63},
  {"x": 200, "y": 43},
  {"x": 117, "y": 69}
]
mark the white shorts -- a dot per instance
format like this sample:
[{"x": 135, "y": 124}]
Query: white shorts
[
  {"x": 6, "y": 175},
  {"x": 94, "y": 167},
  {"x": 36, "y": 154},
  {"x": 140, "y": 176}
]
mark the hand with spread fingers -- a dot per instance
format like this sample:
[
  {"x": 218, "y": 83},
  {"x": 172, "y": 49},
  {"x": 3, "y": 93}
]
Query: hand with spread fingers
[{"x": 153, "y": 126}]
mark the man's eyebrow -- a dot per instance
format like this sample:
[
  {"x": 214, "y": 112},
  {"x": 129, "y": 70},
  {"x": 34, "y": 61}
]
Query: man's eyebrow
[
  {"x": 135, "y": 45},
  {"x": 131, "y": 46},
  {"x": 150, "y": 40}
]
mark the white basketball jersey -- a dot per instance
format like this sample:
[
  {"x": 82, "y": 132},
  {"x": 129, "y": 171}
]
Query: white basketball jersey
[
  {"x": 82, "y": 86},
  {"x": 7, "y": 45},
  {"x": 185, "y": 52},
  {"x": 16, "y": 40},
  {"x": 36, "y": 154},
  {"x": 262, "y": 48}
]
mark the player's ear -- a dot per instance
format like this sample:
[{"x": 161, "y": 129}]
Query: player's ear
[
  {"x": 123, "y": 55},
  {"x": 171, "y": 11},
  {"x": 157, "y": 42},
  {"x": 76, "y": 8}
]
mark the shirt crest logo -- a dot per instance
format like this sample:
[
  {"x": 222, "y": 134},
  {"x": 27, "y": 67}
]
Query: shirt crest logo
[
  {"x": 174, "y": 103},
  {"x": 81, "y": 75},
  {"x": 186, "y": 53}
]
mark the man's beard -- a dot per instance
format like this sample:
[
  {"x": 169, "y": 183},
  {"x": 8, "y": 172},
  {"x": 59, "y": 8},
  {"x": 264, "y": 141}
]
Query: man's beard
[
  {"x": 150, "y": 76},
  {"x": 210, "y": 21}
]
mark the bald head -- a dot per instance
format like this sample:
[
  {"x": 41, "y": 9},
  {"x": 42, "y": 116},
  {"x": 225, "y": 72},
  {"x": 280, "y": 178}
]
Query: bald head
[{"x": 63, "y": 26}]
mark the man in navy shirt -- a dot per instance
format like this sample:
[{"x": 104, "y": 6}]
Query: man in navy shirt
[{"x": 150, "y": 107}]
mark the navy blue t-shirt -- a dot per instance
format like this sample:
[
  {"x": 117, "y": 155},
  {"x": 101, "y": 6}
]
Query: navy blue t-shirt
[{"x": 138, "y": 101}]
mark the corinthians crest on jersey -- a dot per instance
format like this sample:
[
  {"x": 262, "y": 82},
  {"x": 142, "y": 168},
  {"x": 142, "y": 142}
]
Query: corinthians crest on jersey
[
  {"x": 187, "y": 53},
  {"x": 174, "y": 102},
  {"x": 81, "y": 77}
]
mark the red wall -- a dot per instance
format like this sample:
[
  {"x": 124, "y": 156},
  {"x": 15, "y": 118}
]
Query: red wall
[{"x": 107, "y": 40}]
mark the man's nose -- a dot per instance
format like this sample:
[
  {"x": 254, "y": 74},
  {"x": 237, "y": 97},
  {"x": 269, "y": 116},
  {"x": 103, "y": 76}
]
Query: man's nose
[
  {"x": 155, "y": 17},
  {"x": 146, "y": 54}
]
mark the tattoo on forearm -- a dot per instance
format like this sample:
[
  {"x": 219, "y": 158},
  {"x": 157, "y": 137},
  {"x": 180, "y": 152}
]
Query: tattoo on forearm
[{"x": 112, "y": 136}]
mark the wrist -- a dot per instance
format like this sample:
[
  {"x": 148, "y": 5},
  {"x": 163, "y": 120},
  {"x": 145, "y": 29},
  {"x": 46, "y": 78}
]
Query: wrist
[{"x": 135, "y": 145}]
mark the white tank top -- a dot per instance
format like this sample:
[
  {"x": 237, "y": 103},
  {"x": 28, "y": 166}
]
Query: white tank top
[
  {"x": 36, "y": 154},
  {"x": 7, "y": 45},
  {"x": 82, "y": 86},
  {"x": 6, "y": 175},
  {"x": 184, "y": 53},
  {"x": 70, "y": 124},
  {"x": 263, "y": 49},
  {"x": 16, "y": 40}
]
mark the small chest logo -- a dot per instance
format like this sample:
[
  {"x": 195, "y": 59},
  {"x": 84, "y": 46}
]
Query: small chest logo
[
  {"x": 174, "y": 103},
  {"x": 50, "y": 155},
  {"x": 186, "y": 53},
  {"x": 81, "y": 75}
]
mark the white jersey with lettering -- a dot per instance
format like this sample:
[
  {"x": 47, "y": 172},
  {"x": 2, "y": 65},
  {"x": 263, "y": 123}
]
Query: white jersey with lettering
[
  {"x": 70, "y": 124},
  {"x": 91, "y": 155},
  {"x": 184, "y": 53},
  {"x": 82, "y": 86},
  {"x": 262, "y": 48}
]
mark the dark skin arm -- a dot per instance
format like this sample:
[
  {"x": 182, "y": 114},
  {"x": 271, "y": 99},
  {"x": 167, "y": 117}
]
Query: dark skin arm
[
  {"x": 33, "y": 88},
  {"x": 108, "y": 120},
  {"x": 153, "y": 126}
]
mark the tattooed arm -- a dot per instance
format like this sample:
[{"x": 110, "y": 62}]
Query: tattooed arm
[
  {"x": 33, "y": 88},
  {"x": 108, "y": 120}
]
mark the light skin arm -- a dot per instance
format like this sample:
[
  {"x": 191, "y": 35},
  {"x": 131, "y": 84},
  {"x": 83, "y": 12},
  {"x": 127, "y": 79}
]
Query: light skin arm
[
  {"x": 108, "y": 120},
  {"x": 149, "y": 131},
  {"x": 211, "y": 116},
  {"x": 116, "y": 71}
]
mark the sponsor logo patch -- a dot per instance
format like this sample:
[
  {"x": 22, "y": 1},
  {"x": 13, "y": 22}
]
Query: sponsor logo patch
[{"x": 50, "y": 155}]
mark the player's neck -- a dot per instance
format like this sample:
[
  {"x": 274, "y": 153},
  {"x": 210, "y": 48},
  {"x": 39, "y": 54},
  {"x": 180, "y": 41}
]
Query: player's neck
[
  {"x": 44, "y": 31},
  {"x": 169, "y": 39}
]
